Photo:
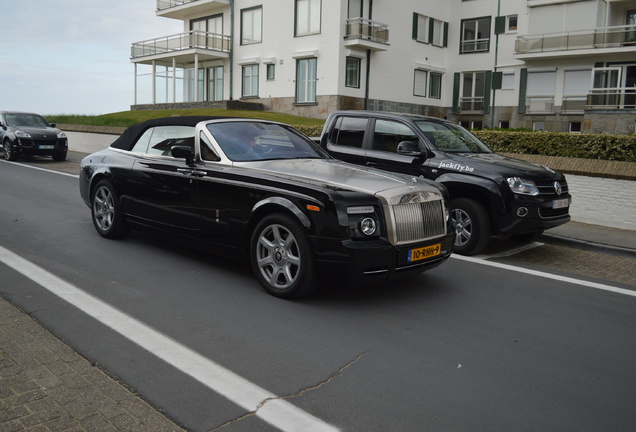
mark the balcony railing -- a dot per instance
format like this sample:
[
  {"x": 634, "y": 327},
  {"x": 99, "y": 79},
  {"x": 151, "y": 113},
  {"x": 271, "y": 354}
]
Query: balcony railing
[
  {"x": 612, "y": 98},
  {"x": 604, "y": 37},
  {"x": 167, "y": 4},
  {"x": 475, "y": 45},
  {"x": 573, "y": 104},
  {"x": 471, "y": 104},
  {"x": 360, "y": 28},
  {"x": 180, "y": 42},
  {"x": 540, "y": 104}
]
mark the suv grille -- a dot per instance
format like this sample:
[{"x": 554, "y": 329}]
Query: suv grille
[
  {"x": 418, "y": 221},
  {"x": 547, "y": 188}
]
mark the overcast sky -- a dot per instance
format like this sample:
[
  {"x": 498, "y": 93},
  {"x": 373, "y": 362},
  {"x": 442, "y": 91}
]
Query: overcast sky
[{"x": 73, "y": 56}]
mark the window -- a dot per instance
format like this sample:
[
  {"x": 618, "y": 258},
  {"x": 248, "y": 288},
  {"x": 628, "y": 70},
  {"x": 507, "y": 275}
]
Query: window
[
  {"x": 212, "y": 24},
  {"x": 420, "y": 28},
  {"x": 271, "y": 71},
  {"x": 540, "y": 90},
  {"x": 504, "y": 124},
  {"x": 508, "y": 81},
  {"x": 207, "y": 151},
  {"x": 349, "y": 131},
  {"x": 575, "y": 127},
  {"x": 251, "y": 25},
  {"x": 435, "y": 85},
  {"x": 355, "y": 9},
  {"x": 420, "y": 82},
  {"x": 250, "y": 81},
  {"x": 538, "y": 126},
  {"x": 307, "y": 17},
  {"x": 437, "y": 32},
  {"x": 473, "y": 90},
  {"x": 352, "y": 73},
  {"x": 215, "y": 84},
  {"x": 511, "y": 23},
  {"x": 306, "y": 80},
  {"x": 576, "y": 86},
  {"x": 159, "y": 140},
  {"x": 475, "y": 35},
  {"x": 388, "y": 134}
]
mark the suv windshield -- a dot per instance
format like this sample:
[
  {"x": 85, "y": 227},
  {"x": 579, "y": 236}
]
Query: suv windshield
[
  {"x": 31, "y": 120},
  {"x": 451, "y": 138},
  {"x": 251, "y": 141}
]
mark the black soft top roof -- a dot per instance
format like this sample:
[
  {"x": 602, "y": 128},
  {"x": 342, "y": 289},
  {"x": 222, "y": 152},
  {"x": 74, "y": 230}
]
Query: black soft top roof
[{"x": 130, "y": 135}]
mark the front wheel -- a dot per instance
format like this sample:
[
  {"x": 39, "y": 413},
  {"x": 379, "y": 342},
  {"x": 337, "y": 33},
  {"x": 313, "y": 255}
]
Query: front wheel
[
  {"x": 59, "y": 156},
  {"x": 472, "y": 226},
  {"x": 281, "y": 257},
  {"x": 107, "y": 217},
  {"x": 9, "y": 154}
]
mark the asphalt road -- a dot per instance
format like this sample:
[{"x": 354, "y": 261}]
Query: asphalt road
[{"x": 467, "y": 346}]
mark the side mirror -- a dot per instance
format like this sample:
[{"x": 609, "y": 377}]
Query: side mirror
[
  {"x": 3, "y": 126},
  {"x": 410, "y": 148},
  {"x": 183, "y": 152},
  {"x": 52, "y": 125}
]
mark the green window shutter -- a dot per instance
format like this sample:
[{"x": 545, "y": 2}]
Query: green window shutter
[
  {"x": 523, "y": 86},
  {"x": 487, "y": 91},
  {"x": 497, "y": 80},
  {"x": 456, "y": 81},
  {"x": 500, "y": 25},
  {"x": 415, "y": 19},
  {"x": 445, "y": 34},
  {"x": 431, "y": 30}
]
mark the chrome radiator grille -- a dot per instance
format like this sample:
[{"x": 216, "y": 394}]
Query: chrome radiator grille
[{"x": 418, "y": 221}]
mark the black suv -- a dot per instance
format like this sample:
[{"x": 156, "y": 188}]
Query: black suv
[
  {"x": 490, "y": 194},
  {"x": 30, "y": 134}
]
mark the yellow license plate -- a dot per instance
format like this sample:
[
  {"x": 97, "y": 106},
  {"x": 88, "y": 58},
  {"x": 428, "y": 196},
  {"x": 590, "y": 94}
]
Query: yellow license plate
[{"x": 424, "y": 252}]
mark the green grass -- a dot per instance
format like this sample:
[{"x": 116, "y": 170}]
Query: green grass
[{"x": 128, "y": 118}]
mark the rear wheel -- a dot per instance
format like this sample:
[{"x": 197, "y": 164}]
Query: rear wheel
[
  {"x": 281, "y": 257},
  {"x": 107, "y": 217},
  {"x": 472, "y": 226},
  {"x": 9, "y": 154}
]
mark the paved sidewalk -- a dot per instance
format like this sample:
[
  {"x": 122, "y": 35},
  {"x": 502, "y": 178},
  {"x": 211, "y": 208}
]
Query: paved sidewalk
[{"x": 46, "y": 386}]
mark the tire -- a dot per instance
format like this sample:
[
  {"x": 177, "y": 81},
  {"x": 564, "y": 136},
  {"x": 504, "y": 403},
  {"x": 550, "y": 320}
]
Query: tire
[
  {"x": 281, "y": 257},
  {"x": 472, "y": 226},
  {"x": 105, "y": 211},
  {"x": 9, "y": 154},
  {"x": 60, "y": 156}
]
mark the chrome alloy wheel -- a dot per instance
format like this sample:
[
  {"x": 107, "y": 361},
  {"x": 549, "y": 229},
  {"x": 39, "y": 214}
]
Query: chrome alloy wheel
[
  {"x": 103, "y": 209},
  {"x": 278, "y": 256},
  {"x": 463, "y": 226}
]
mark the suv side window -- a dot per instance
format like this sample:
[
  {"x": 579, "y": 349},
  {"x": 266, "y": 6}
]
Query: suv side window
[
  {"x": 388, "y": 134},
  {"x": 349, "y": 131}
]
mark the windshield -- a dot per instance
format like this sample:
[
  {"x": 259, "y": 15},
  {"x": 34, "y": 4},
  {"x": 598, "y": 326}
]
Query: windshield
[
  {"x": 32, "y": 120},
  {"x": 452, "y": 138},
  {"x": 252, "y": 141}
]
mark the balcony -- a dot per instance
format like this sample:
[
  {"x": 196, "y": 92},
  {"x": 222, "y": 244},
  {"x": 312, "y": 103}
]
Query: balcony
[
  {"x": 180, "y": 9},
  {"x": 471, "y": 105},
  {"x": 363, "y": 34},
  {"x": 617, "y": 39},
  {"x": 183, "y": 47},
  {"x": 540, "y": 105}
]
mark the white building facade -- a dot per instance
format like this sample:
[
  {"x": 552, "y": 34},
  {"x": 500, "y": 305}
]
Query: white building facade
[{"x": 557, "y": 65}]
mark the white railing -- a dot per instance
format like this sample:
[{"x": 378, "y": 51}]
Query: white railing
[
  {"x": 181, "y": 41},
  {"x": 167, "y": 4},
  {"x": 612, "y": 98},
  {"x": 360, "y": 28},
  {"x": 471, "y": 104},
  {"x": 475, "y": 45},
  {"x": 573, "y": 104},
  {"x": 602, "y": 37},
  {"x": 540, "y": 104}
]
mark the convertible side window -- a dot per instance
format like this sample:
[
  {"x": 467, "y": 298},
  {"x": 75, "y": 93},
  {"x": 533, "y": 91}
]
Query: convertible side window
[
  {"x": 388, "y": 134},
  {"x": 207, "y": 153},
  {"x": 141, "y": 146}
]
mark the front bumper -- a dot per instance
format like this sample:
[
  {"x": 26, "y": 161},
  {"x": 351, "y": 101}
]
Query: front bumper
[
  {"x": 33, "y": 147},
  {"x": 528, "y": 216},
  {"x": 376, "y": 261}
]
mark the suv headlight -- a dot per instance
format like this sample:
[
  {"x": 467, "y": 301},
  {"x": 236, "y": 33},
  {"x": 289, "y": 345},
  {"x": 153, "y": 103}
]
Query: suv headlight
[
  {"x": 522, "y": 186},
  {"x": 61, "y": 135},
  {"x": 22, "y": 134}
]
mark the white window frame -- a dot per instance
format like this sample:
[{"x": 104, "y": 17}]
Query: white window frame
[
  {"x": 353, "y": 72},
  {"x": 250, "y": 81},
  {"x": 306, "y": 80},
  {"x": 252, "y": 25},
  {"x": 420, "y": 82},
  {"x": 307, "y": 20}
]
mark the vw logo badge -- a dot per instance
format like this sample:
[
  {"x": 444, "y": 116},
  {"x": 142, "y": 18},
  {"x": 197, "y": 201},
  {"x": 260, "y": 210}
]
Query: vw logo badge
[{"x": 557, "y": 188}]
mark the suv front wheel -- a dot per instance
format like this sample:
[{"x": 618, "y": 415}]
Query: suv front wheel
[{"x": 472, "y": 226}]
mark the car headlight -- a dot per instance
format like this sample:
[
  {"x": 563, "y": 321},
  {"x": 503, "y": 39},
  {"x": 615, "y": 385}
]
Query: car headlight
[
  {"x": 363, "y": 221},
  {"x": 368, "y": 226},
  {"x": 22, "y": 134},
  {"x": 522, "y": 186},
  {"x": 61, "y": 135}
]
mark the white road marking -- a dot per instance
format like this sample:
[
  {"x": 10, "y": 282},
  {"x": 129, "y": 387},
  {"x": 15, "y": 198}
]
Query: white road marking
[
  {"x": 279, "y": 413},
  {"x": 47, "y": 170},
  {"x": 547, "y": 275}
]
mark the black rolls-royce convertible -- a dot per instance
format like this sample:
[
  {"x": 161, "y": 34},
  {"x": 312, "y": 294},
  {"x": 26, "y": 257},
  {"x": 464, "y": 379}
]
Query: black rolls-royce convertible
[{"x": 261, "y": 191}]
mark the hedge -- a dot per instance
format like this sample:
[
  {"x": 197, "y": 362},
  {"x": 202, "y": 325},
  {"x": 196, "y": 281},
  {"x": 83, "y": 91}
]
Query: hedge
[{"x": 586, "y": 146}]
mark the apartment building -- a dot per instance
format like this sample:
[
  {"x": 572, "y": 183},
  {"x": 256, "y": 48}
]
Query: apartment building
[{"x": 557, "y": 65}]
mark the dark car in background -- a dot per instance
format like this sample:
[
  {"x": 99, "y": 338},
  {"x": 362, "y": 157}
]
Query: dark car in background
[
  {"x": 490, "y": 194},
  {"x": 263, "y": 192},
  {"x": 29, "y": 134}
]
